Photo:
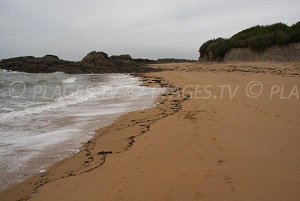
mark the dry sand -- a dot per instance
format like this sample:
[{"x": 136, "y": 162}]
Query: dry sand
[{"x": 192, "y": 146}]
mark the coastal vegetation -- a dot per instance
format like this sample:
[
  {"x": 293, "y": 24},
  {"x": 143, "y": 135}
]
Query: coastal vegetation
[{"x": 257, "y": 38}]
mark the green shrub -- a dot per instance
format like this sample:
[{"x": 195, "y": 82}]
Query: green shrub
[{"x": 258, "y": 38}]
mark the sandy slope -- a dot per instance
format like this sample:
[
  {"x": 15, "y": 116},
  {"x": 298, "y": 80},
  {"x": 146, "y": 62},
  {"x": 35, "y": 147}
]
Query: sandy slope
[{"x": 189, "y": 147}]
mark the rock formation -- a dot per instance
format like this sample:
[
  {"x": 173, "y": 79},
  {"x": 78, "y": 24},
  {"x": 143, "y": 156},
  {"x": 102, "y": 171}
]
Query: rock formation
[
  {"x": 289, "y": 52},
  {"x": 96, "y": 58},
  {"x": 124, "y": 57},
  {"x": 93, "y": 62}
]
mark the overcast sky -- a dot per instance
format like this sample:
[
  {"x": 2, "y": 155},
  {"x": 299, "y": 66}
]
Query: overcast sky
[{"x": 142, "y": 28}]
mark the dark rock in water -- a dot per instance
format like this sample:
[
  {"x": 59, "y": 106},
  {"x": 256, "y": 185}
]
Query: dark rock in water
[
  {"x": 125, "y": 57},
  {"x": 94, "y": 62},
  {"x": 30, "y": 64}
]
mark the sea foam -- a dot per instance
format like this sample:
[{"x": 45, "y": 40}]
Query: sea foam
[{"x": 35, "y": 132}]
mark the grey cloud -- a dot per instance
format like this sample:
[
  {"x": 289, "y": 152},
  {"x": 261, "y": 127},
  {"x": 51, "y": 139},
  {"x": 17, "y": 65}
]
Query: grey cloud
[{"x": 152, "y": 29}]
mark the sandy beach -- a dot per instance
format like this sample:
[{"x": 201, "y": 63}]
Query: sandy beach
[{"x": 223, "y": 132}]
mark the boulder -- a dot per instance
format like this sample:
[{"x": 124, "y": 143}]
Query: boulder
[{"x": 95, "y": 58}]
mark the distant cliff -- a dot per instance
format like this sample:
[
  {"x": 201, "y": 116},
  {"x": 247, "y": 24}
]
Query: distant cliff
[
  {"x": 276, "y": 42},
  {"x": 289, "y": 52}
]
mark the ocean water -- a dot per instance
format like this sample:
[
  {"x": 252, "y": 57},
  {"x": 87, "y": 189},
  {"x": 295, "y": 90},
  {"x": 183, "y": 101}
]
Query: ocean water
[{"x": 47, "y": 117}]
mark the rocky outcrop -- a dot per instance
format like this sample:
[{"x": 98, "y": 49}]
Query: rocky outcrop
[
  {"x": 93, "y": 62},
  {"x": 124, "y": 57},
  {"x": 122, "y": 63},
  {"x": 289, "y": 52},
  {"x": 96, "y": 58},
  {"x": 48, "y": 63},
  {"x": 101, "y": 59},
  {"x": 144, "y": 61}
]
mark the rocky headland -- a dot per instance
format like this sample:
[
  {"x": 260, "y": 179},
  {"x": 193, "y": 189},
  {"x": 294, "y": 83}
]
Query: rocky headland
[
  {"x": 93, "y": 62},
  {"x": 276, "y": 42}
]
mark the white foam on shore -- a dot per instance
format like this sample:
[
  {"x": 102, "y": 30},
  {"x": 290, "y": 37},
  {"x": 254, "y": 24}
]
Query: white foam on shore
[
  {"x": 97, "y": 92},
  {"x": 72, "y": 99},
  {"x": 69, "y": 80},
  {"x": 33, "y": 138}
]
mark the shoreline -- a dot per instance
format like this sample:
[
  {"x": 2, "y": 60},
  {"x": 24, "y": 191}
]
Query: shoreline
[
  {"x": 30, "y": 185},
  {"x": 186, "y": 148},
  {"x": 24, "y": 155}
]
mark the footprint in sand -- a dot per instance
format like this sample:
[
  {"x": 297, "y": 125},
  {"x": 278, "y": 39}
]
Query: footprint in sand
[
  {"x": 221, "y": 161},
  {"x": 190, "y": 116},
  {"x": 229, "y": 181}
]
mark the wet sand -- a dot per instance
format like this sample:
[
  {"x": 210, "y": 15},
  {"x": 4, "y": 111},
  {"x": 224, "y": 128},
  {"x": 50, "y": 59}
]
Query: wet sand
[{"x": 194, "y": 145}]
